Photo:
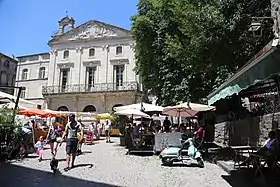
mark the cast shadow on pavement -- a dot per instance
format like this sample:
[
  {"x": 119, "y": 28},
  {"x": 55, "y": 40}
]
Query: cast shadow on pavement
[
  {"x": 246, "y": 177},
  {"x": 12, "y": 175}
]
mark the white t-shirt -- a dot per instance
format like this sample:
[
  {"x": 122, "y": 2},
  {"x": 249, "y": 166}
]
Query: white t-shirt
[
  {"x": 91, "y": 128},
  {"x": 107, "y": 125}
]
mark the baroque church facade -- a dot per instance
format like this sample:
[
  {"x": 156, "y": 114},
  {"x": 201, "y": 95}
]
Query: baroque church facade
[{"x": 90, "y": 68}]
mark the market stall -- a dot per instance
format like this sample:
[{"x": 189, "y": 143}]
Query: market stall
[
  {"x": 138, "y": 137},
  {"x": 102, "y": 119}
]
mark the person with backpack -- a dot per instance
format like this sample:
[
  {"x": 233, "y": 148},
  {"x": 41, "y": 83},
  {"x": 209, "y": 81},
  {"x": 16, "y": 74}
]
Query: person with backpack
[{"x": 71, "y": 131}]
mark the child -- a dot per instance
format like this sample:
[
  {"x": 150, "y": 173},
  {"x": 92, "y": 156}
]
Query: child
[{"x": 40, "y": 148}]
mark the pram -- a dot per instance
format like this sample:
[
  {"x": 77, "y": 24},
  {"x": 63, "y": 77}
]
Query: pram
[{"x": 89, "y": 137}]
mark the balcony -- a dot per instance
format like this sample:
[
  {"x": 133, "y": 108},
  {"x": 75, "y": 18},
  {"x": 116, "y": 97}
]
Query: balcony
[{"x": 83, "y": 88}]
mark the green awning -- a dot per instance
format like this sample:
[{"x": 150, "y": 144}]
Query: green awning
[{"x": 262, "y": 66}]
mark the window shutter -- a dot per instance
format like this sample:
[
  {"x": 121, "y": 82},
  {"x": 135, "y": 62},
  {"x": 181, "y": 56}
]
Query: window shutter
[
  {"x": 25, "y": 93},
  {"x": 38, "y": 74},
  {"x": 29, "y": 74},
  {"x": 19, "y": 74},
  {"x": 46, "y": 72}
]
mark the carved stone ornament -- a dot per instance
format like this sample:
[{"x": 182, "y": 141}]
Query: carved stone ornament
[
  {"x": 92, "y": 63},
  {"x": 119, "y": 61},
  {"x": 65, "y": 65},
  {"x": 93, "y": 31},
  {"x": 79, "y": 50},
  {"x": 53, "y": 52}
]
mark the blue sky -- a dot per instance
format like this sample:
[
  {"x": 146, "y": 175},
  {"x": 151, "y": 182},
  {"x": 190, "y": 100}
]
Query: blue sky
[{"x": 27, "y": 25}]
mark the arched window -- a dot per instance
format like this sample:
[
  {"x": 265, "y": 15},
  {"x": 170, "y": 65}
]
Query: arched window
[
  {"x": 65, "y": 54},
  {"x": 62, "y": 108},
  {"x": 116, "y": 105},
  {"x": 42, "y": 72},
  {"x": 24, "y": 74},
  {"x": 89, "y": 108},
  {"x": 119, "y": 50},
  {"x": 91, "y": 52}
]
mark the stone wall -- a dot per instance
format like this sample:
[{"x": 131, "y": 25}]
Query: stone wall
[{"x": 249, "y": 131}]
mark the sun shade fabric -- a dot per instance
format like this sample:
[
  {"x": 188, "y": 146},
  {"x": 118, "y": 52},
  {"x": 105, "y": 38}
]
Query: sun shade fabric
[
  {"x": 145, "y": 106},
  {"x": 132, "y": 113},
  {"x": 179, "y": 111},
  {"x": 186, "y": 109},
  {"x": 259, "y": 69},
  {"x": 36, "y": 112}
]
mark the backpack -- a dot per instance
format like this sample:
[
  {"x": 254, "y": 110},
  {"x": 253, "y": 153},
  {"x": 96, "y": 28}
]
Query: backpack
[{"x": 73, "y": 128}]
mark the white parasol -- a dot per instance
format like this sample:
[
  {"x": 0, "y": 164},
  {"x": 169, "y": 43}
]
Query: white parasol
[
  {"x": 132, "y": 113},
  {"x": 145, "y": 106}
]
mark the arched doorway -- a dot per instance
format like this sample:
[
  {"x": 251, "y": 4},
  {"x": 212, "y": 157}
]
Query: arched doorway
[
  {"x": 62, "y": 108},
  {"x": 116, "y": 105},
  {"x": 89, "y": 108}
]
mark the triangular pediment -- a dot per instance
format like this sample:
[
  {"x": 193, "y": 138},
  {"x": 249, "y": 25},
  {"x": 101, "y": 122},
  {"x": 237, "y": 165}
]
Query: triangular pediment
[{"x": 91, "y": 30}]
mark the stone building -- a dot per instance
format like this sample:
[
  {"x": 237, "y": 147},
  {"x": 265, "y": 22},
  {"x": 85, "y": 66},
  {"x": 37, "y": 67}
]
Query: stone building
[
  {"x": 32, "y": 74},
  {"x": 8, "y": 69},
  {"x": 90, "y": 68}
]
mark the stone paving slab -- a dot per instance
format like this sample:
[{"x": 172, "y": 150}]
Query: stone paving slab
[{"x": 105, "y": 164}]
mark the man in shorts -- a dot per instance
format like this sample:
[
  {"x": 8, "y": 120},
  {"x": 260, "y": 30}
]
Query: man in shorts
[
  {"x": 107, "y": 131},
  {"x": 71, "y": 131}
]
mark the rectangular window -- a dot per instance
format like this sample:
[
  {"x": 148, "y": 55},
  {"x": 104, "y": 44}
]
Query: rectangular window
[
  {"x": 64, "y": 73},
  {"x": 24, "y": 74},
  {"x": 42, "y": 72},
  {"x": 118, "y": 75},
  {"x": 90, "y": 72},
  {"x": 23, "y": 93}
]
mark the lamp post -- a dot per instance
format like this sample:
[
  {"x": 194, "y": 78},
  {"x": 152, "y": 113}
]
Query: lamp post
[{"x": 256, "y": 23}]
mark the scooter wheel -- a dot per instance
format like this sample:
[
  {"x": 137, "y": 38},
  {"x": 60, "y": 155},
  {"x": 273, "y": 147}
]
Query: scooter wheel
[{"x": 167, "y": 161}]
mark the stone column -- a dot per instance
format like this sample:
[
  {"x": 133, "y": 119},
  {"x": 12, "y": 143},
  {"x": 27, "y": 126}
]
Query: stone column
[
  {"x": 80, "y": 52},
  {"x": 77, "y": 104}
]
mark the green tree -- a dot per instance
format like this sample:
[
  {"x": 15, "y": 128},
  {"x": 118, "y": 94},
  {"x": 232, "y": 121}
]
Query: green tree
[{"x": 187, "y": 48}]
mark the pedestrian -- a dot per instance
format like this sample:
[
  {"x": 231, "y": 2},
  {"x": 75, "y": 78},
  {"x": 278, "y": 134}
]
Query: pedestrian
[
  {"x": 40, "y": 148},
  {"x": 52, "y": 138},
  {"x": 107, "y": 131},
  {"x": 98, "y": 127},
  {"x": 71, "y": 131},
  {"x": 80, "y": 138},
  {"x": 166, "y": 125}
]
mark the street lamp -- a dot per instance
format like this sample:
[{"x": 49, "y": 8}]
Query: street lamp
[{"x": 254, "y": 26}]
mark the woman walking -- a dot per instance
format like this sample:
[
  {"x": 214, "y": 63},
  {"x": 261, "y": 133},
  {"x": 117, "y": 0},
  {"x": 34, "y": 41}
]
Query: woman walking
[{"x": 53, "y": 134}]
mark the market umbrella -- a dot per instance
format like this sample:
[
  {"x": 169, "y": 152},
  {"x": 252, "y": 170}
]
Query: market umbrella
[
  {"x": 186, "y": 109},
  {"x": 132, "y": 113},
  {"x": 200, "y": 107},
  {"x": 146, "y": 107},
  {"x": 179, "y": 111},
  {"x": 104, "y": 116},
  {"x": 35, "y": 112}
]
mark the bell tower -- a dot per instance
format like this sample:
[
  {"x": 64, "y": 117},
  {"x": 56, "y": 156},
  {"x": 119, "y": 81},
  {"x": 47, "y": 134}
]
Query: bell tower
[{"x": 64, "y": 22}]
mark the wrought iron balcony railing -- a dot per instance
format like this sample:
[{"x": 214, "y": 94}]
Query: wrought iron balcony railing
[{"x": 83, "y": 88}]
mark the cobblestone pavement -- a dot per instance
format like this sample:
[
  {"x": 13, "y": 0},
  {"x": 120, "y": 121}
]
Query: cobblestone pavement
[{"x": 107, "y": 165}]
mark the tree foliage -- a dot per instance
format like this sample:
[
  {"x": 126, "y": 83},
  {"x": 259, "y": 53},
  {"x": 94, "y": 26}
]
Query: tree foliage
[{"x": 186, "y": 48}]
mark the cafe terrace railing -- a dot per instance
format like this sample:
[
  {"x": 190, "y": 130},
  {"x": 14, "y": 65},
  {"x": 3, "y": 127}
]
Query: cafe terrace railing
[{"x": 84, "y": 88}]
